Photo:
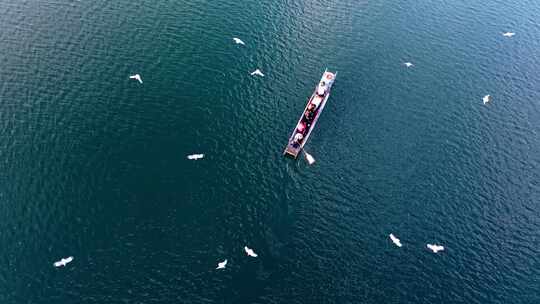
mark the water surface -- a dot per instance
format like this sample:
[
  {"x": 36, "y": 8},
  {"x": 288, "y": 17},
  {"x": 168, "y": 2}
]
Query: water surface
[{"x": 94, "y": 165}]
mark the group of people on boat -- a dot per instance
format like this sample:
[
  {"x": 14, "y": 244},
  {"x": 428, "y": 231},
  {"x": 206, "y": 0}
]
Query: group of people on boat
[{"x": 310, "y": 113}]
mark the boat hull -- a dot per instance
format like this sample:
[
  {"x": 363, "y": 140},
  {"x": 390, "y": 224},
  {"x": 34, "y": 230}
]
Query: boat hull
[{"x": 305, "y": 126}]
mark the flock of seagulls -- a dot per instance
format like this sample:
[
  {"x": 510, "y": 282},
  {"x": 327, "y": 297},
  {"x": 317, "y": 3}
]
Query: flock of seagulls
[
  {"x": 433, "y": 247},
  {"x": 486, "y": 99},
  {"x": 257, "y": 72},
  {"x": 250, "y": 252}
]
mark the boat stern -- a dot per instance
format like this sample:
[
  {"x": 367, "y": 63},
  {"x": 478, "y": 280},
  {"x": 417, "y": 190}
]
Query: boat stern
[{"x": 292, "y": 151}]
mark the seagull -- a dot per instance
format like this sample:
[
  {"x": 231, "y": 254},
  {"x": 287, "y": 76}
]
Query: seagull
[
  {"x": 257, "y": 72},
  {"x": 310, "y": 159},
  {"x": 395, "y": 240},
  {"x": 250, "y": 252},
  {"x": 408, "y": 64},
  {"x": 435, "y": 248},
  {"x": 238, "y": 41},
  {"x": 63, "y": 262},
  {"x": 136, "y": 77},
  {"x": 195, "y": 156},
  {"x": 486, "y": 99},
  {"x": 508, "y": 34},
  {"x": 221, "y": 265}
]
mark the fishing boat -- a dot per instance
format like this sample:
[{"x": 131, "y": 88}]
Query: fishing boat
[{"x": 311, "y": 114}]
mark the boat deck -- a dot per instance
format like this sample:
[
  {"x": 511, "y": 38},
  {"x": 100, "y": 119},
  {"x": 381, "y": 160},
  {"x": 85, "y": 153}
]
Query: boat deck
[{"x": 308, "y": 120}]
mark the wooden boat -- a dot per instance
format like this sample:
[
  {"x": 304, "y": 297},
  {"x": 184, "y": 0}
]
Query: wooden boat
[{"x": 311, "y": 114}]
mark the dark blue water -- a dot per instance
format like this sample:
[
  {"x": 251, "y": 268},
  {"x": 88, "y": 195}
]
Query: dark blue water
[{"x": 93, "y": 165}]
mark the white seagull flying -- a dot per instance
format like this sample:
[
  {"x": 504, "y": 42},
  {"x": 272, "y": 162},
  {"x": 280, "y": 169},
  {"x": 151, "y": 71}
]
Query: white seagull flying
[
  {"x": 508, "y": 34},
  {"x": 195, "y": 156},
  {"x": 238, "y": 41},
  {"x": 435, "y": 248},
  {"x": 221, "y": 265},
  {"x": 250, "y": 252},
  {"x": 310, "y": 159},
  {"x": 395, "y": 240},
  {"x": 408, "y": 64},
  {"x": 257, "y": 72},
  {"x": 136, "y": 77},
  {"x": 63, "y": 262},
  {"x": 486, "y": 99}
]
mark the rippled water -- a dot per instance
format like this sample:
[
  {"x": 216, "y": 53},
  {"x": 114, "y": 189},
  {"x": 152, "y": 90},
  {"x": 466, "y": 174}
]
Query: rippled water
[{"x": 93, "y": 165}]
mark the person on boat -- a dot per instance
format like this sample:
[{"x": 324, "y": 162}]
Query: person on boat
[
  {"x": 298, "y": 137},
  {"x": 302, "y": 127},
  {"x": 316, "y": 101},
  {"x": 307, "y": 122},
  {"x": 321, "y": 89},
  {"x": 310, "y": 113}
]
